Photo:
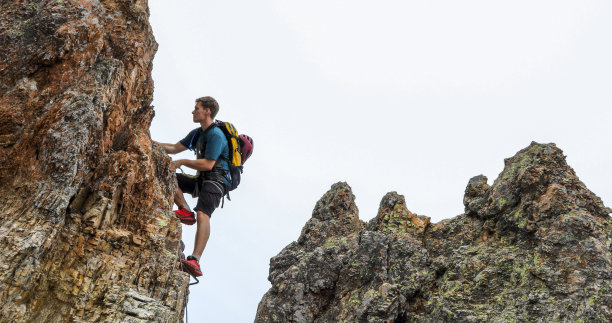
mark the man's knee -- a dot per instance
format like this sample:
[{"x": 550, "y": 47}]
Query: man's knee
[{"x": 202, "y": 215}]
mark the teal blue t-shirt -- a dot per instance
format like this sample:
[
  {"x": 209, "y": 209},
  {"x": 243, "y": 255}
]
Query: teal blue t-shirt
[{"x": 216, "y": 146}]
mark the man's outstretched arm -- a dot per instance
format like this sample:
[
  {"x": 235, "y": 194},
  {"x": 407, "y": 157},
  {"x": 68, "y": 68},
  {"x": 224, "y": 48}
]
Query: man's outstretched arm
[
  {"x": 202, "y": 164},
  {"x": 172, "y": 148}
]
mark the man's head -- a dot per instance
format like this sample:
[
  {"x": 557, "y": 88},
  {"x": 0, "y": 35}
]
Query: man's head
[{"x": 205, "y": 106}]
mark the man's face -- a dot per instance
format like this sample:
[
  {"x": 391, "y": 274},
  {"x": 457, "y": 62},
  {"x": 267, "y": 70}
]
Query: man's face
[{"x": 199, "y": 112}]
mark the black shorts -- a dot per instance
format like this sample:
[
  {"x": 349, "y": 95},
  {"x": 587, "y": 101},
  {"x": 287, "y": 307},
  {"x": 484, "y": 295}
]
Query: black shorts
[{"x": 209, "y": 195}]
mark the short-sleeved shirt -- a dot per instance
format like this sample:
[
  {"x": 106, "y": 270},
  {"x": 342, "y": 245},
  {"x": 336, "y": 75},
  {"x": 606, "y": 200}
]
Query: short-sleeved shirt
[{"x": 216, "y": 147}]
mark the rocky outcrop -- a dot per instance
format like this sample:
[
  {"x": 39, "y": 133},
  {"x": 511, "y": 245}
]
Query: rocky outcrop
[
  {"x": 534, "y": 246},
  {"x": 85, "y": 233}
]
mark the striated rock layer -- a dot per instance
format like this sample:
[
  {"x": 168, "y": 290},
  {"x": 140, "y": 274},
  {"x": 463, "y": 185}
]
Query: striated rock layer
[
  {"x": 85, "y": 233},
  {"x": 533, "y": 247}
]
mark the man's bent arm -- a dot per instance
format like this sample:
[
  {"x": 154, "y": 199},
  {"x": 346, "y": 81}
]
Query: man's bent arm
[
  {"x": 198, "y": 164},
  {"x": 173, "y": 148}
]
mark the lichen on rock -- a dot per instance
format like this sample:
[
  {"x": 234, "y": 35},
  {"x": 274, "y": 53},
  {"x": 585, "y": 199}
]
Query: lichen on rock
[{"x": 533, "y": 246}]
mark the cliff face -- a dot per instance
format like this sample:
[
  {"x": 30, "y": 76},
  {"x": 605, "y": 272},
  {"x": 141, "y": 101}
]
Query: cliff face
[
  {"x": 534, "y": 246},
  {"x": 85, "y": 233}
]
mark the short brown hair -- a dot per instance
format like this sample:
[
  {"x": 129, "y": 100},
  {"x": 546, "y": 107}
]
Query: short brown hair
[{"x": 209, "y": 103}]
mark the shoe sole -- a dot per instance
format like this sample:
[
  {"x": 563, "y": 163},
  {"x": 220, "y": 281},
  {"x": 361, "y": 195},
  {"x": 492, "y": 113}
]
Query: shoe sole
[
  {"x": 187, "y": 221},
  {"x": 190, "y": 269}
]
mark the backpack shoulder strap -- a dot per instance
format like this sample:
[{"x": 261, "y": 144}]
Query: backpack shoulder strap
[{"x": 194, "y": 139}]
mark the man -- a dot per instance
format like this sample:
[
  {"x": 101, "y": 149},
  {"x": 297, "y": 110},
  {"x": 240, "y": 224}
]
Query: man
[{"x": 212, "y": 179}]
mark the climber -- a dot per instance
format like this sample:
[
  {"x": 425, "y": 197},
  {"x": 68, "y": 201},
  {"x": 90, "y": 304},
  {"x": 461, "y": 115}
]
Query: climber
[{"x": 211, "y": 182}]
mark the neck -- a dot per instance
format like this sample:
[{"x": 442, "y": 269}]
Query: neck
[{"x": 206, "y": 123}]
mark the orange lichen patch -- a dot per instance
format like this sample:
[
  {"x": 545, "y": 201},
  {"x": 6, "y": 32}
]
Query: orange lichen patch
[{"x": 555, "y": 194}]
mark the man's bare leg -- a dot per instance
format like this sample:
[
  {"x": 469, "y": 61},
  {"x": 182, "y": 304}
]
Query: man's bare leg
[
  {"x": 202, "y": 234},
  {"x": 179, "y": 199}
]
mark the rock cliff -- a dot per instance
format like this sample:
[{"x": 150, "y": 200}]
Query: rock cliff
[
  {"x": 534, "y": 246},
  {"x": 85, "y": 233}
]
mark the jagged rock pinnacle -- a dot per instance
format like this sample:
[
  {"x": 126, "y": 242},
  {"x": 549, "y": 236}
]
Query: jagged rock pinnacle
[
  {"x": 536, "y": 186},
  {"x": 334, "y": 214},
  {"x": 394, "y": 216},
  {"x": 534, "y": 246}
]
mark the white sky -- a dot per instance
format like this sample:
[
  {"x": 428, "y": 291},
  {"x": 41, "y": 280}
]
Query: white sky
[{"x": 409, "y": 96}]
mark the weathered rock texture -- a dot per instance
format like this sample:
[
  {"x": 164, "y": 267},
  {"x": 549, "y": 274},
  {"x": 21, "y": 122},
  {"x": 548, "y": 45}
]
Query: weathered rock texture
[
  {"x": 534, "y": 247},
  {"x": 85, "y": 233}
]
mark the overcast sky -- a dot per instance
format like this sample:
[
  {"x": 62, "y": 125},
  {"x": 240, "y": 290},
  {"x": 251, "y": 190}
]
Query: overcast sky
[{"x": 409, "y": 96}]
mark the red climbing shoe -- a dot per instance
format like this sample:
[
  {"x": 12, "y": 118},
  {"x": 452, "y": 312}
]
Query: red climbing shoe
[
  {"x": 185, "y": 216},
  {"x": 191, "y": 266}
]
